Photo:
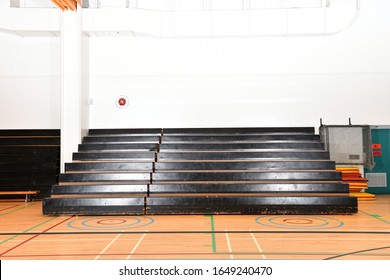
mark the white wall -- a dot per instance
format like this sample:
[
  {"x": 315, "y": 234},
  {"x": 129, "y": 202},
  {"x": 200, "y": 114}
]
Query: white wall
[
  {"x": 262, "y": 81},
  {"x": 29, "y": 82}
]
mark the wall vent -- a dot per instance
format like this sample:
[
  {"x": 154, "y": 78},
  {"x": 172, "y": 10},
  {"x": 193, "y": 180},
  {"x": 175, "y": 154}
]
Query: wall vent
[
  {"x": 354, "y": 157},
  {"x": 377, "y": 180}
]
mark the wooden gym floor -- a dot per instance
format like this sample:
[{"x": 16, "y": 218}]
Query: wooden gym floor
[{"x": 26, "y": 234}]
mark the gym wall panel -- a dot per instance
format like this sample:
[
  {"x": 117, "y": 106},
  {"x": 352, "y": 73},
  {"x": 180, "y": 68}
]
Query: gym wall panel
[
  {"x": 244, "y": 101},
  {"x": 259, "y": 81},
  {"x": 29, "y": 82}
]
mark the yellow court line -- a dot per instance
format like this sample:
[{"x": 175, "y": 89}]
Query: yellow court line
[
  {"x": 257, "y": 245},
  {"x": 108, "y": 246},
  {"x": 136, "y": 246},
  {"x": 229, "y": 245}
]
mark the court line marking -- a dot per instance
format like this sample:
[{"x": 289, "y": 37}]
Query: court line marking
[
  {"x": 258, "y": 246},
  {"x": 24, "y": 207},
  {"x": 327, "y": 238},
  {"x": 213, "y": 239},
  {"x": 357, "y": 252},
  {"x": 27, "y": 240},
  {"x": 27, "y": 230},
  {"x": 198, "y": 254},
  {"x": 9, "y": 207},
  {"x": 197, "y": 232},
  {"x": 229, "y": 245},
  {"x": 325, "y": 223},
  {"x": 377, "y": 217},
  {"x": 86, "y": 227},
  {"x": 108, "y": 246},
  {"x": 136, "y": 246},
  {"x": 231, "y": 238},
  {"x": 87, "y": 239}
]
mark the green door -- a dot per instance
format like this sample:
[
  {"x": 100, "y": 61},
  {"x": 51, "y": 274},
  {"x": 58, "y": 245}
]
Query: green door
[{"x": 381, "y": 172}]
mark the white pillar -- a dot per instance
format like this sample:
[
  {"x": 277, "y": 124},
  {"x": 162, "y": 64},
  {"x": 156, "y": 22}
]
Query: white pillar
[{"x": 71, "y": 130}]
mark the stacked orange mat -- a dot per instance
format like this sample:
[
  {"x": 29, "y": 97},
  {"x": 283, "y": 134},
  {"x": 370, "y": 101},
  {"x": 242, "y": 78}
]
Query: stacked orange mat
[
  {"x": 357, "y": 183},
  {"x": 65, "y": 5}
]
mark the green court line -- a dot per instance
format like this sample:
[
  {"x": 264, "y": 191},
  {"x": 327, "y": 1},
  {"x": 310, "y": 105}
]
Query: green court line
[
  {"x": 27, "y": 230},
  {"x": 375, "y": 217},
  {"x": 213, "y": 241},
  {"x": 17, "y": 209}
]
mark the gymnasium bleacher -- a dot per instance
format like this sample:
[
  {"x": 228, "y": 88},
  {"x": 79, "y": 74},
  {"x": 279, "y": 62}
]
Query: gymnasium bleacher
[
  {"x": 29, "y": 161},
  {"x": 200, "y": 171}
]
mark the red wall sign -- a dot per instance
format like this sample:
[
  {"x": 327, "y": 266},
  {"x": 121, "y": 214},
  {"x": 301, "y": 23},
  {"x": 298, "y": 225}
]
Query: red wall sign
[
  {"x": 376, "y": 150},
  {"x": 376, "y": 146},
  {"x": 377, "y": 153}
]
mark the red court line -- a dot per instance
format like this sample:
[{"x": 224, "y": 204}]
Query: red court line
[
  {"x": 24, "y": 242},
  {"x": 9, "y": 207}
]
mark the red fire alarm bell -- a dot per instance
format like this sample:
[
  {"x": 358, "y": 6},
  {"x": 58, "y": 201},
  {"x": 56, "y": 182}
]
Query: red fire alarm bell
[{"x": 122, "y": 101}]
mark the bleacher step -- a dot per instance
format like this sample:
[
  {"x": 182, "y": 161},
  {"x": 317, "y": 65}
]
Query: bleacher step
[
  {"x": 251, "y": 205},
  {"x": 109, "y": 166},
  {"x": 249, "y": 188},
  {"x": 241, "y": 156},
  {"x": 246, "y": 165},
  {"x": 100, "y": 189},
  {"x": 240, "y": 138},
  {"x": 94, "y": 206}
]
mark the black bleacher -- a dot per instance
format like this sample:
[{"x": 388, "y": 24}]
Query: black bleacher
[
  {"x": 29, "y": 160},
  {"x": 200, "y": 171}
]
